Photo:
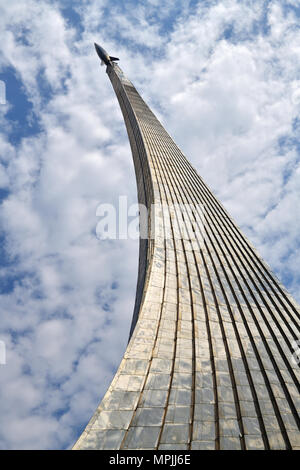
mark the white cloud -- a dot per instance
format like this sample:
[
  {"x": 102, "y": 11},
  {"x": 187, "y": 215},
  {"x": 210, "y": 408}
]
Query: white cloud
[{"x": 229, "y": 110}]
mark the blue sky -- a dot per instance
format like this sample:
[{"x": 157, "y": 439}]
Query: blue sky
[{"x": 223, "y": 77}]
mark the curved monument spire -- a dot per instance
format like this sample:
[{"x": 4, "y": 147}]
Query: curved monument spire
[{"x": 209, "y": 364}]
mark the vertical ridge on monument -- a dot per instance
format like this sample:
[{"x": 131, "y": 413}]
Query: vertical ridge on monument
[{"x": 209, "y": 364}]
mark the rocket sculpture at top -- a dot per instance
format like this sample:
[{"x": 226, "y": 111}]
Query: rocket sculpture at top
[
  {"x": 104, "y": 57},
  {"x": 211, "y": 359}
]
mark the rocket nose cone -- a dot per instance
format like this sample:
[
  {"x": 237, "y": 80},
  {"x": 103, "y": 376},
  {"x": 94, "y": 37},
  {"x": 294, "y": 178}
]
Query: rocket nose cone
[
  {"x": 97, "y": 47},
  {"x": 98, "y": 50}
]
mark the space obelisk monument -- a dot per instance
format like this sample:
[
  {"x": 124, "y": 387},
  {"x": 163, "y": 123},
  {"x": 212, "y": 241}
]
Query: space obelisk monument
[{"x": 209, "y": 364}]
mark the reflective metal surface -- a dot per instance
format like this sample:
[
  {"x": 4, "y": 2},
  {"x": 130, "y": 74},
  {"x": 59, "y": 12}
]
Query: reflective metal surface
[{"x": 208, "y": 365}]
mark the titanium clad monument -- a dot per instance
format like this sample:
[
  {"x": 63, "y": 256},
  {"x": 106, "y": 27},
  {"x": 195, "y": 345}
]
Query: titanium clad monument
[{"x": 211, "y": 360}]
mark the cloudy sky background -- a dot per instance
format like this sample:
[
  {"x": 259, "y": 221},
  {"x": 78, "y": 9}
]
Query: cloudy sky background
[{"x": 223, "y": 77}]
